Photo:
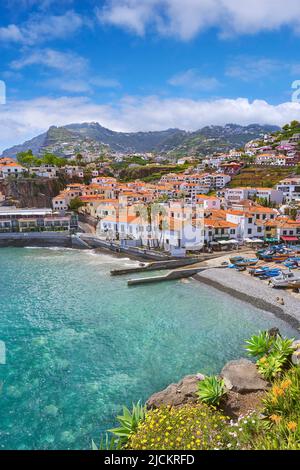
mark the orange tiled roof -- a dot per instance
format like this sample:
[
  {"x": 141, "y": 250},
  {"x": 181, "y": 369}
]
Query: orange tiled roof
[{"x": 216, "y": 223}]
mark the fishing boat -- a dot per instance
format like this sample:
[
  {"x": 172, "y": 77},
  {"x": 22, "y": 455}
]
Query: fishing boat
[
  {"x": 236, "y": 259},
  {"x": 259, "y": 271},
  {"x": 240, "y": 268},
  {"x": 247, "y": 262},
  {"x": 294, "y": 284},
  {"x": 285, "y": 279}
]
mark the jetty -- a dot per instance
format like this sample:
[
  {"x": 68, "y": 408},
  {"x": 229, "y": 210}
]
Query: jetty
[
  {"x": 155, "y": 266},
  {"x": 171, "y": 276}
]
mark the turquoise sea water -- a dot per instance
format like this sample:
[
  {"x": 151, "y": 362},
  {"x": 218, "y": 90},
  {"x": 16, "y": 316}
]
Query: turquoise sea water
[{"x": 81, "y": 343}]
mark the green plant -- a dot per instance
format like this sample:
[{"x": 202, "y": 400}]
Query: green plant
[
  {"x": 107, "y": 443},
  {"x": 271, "y": 366},
  {"x": 189, "y": 427},
  {"x": 282, "y": 414},
  {"x": 283, "y": 398},
  {"x": 129, "y": 422},
  {"x": 211, "y": 390},
  {"x": 259, "y": 345},
  {"x": 283, "y": 346}
]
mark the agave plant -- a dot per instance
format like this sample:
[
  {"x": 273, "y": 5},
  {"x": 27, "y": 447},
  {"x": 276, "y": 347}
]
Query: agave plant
[
  {"x": 271, "y": 366},
  {"x": 107, "y": 443},
  {"x": 283, "y": 346},
  {"x": 129, "y": 422},
  {"x": 259, "y": 345},
  {"x": 211, "y": 390}
]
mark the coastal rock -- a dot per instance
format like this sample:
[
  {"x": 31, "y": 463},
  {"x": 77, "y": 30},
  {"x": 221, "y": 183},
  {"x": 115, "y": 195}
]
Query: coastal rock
[
  {"x": 296, "y": 344},
  {"x": 237, "y": 404},
  {"x": 274, "y": 332},
  {"x": 242, "y": 376},
  {"x": 178, "y": 394},
  {"x": 296, "y": 357}
]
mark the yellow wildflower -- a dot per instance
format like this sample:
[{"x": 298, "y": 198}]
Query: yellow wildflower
[
  {"x": 286, "y": 383},
  {"x": 275, "y": 418},
  {"x": 277, "y": 391},
  {"x": 292, "y": 426}
]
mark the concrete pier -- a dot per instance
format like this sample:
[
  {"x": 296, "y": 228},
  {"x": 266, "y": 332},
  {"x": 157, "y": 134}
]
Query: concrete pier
[
  {"x": 177, "y": 274},
  {"x": 155, "y": 266}
]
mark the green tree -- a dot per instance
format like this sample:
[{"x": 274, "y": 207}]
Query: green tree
[
  {"x": 53, "y": 160},
  {"x": 27, "y": 159},
  {"x": 75, "y": 204}
]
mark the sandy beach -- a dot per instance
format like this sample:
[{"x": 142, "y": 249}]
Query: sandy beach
[{"x": 252, "y": 290}]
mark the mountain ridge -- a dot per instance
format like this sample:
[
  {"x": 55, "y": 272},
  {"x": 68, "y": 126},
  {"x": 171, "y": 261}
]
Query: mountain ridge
[{"x": 75, "y": 137}]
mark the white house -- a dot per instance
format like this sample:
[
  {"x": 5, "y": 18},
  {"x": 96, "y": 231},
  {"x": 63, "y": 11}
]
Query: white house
[
  {"x": 8, "y": 167},
  {"x": 290, "y": 187},
  {"x": 251, "y": 222}
]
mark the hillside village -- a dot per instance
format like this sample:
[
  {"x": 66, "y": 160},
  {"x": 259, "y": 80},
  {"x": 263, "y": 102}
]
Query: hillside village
[{"x": 148, "y": 200}]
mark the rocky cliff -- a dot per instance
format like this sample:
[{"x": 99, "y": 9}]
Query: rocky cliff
[{"x": 27, "y": 192}]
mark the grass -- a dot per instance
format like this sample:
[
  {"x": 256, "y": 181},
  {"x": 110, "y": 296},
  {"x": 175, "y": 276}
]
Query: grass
[{"x": 264, "y": 177}]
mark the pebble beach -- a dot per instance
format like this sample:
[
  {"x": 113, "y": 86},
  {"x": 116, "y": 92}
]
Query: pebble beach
[{"x": 253, "y": 290}]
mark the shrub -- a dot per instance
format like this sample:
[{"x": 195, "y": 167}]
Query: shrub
[
  {"x": 283, "y": 346},
  {"x": 190, "y": 427},
  {"x": 211, "y": 390},
  {"x": 259, "y": 345},
  {"x": 273, "y": 353},
  {"x": 282, "y": 435},
  {"x": 128, "y": 422},
  {"x": 271, "y": 366},
  {"x": 280, "y": 428},
  {"x": 283, "y": 398},
  {"x": 107, "y": 443}
]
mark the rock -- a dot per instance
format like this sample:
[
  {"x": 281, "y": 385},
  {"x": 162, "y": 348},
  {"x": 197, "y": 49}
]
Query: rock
[
  {"x": 296, "y": 357},
  {"x": 178, "y": 394},
  {"x": 200, "y": 377},
  {"x": 242, "y": 376},
  {"x": 296, "y": 344},
  {"x": 274, "y": 332},
  {"x": 237, "y": 404}
]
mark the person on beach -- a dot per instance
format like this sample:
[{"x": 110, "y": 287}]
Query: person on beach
[{"x": 280, "y": 300}]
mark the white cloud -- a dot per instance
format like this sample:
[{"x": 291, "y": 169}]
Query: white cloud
[
  {"x": 64, "y": 61},
  {"x": 185, "y": 19},
  {"x": 74, "y": 74},
  {"x": 40, "y": 28},
  {"x": 254, "y": 68},
  {"x": 41, "y": 4},
  {"x": 25, "y": 119},
  {"x": 11, "y": 33},
  {"x": 192, "y": 79},
  {"x": 81, "y": 85}
]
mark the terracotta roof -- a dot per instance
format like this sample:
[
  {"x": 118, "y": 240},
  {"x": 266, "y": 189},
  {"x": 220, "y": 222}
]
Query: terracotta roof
[{"x": 216, "y": 223}]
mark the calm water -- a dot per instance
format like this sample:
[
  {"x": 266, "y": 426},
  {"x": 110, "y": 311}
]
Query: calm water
[{"x": 80, "y": 343}]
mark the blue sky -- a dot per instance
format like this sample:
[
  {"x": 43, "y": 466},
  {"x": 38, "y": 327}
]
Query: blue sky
[{"x": 147, "y": 64}]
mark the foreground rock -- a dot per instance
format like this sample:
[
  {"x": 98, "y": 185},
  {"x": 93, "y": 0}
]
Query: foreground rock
[
  {"x": 242, "y": 376},
  {"x": 237, "y": 404},
  {"x": 178, "y": 394}
]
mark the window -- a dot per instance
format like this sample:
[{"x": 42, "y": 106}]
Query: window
[
  {"x": 249, "y": 231},
  {"x": 250, "y": 221}
]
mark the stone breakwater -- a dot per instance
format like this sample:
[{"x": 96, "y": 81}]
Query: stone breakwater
[
  {"x": 255, "y": 292},
  {"x": 20, "y": 240}
]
